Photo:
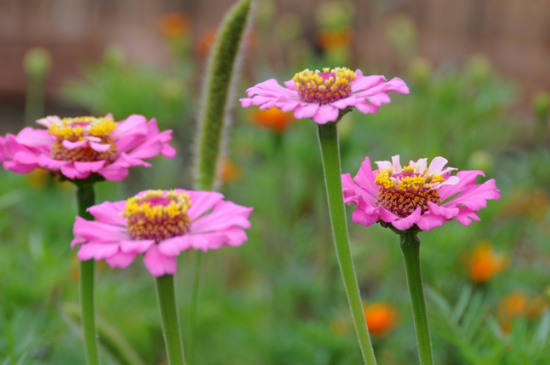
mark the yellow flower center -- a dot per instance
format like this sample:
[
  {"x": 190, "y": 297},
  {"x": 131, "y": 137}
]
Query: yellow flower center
[
  {"x": 157, "y": 215},
  {"x": 73, "y": 129},
  {"x": 324, "y": 87},
  {"x": 403, "y": 192}
]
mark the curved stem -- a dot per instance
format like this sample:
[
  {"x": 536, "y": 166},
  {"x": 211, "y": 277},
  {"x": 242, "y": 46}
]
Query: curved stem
[
  {"x": 85, "y": 197},
  {"x": 194, "y": 304},
  {"x": 330, "y": 153},
  {"x": 170, "y": 321},
  {"x": 410, "y": 246}
]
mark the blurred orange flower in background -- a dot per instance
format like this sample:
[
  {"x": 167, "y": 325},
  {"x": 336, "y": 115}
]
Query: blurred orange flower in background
[
  {"x": 381, "y": 318},
  {"x": 174, "y": 25},
  {"x": 38, "y": 178},
  {"x": 534, "y": 204},
  {"x": 231, "y": 171},
  {"x": 334, "y": 39},
  {"x": 484, "y": 263},
  {"x": 273, "y": 119},
  {"x": 517, "y": 305}
]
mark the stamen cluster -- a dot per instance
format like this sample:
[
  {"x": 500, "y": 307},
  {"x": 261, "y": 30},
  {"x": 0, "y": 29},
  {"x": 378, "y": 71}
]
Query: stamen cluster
[
  {"x": 403, "y": 192},
  {"x": 74, "y": 129},
  {"x": 77, "y": 129},
  {"x": 157, "y": 215},
  {"x": 324, "y": 87}
]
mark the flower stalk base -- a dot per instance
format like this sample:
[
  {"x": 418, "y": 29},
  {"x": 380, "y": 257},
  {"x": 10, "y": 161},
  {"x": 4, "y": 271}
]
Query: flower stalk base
[
  {"x": 170, "y": 321},
  {"x": 85, "y": 196},
  {"x": 330, "y": 153},
  {"x": 410, "y": 246}
]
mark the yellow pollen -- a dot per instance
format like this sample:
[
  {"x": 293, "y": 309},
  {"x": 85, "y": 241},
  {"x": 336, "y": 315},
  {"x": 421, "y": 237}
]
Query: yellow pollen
[
  {"x": 74, "y": 129},
  {"x": 157, "y": 215},
  {"x": 326, "y": 86}
]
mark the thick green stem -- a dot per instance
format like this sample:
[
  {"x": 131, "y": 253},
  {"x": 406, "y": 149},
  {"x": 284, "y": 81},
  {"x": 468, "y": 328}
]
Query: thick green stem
[
  {"x": 170, "y": 320},
  {"x": 410, "y": 245},
  {"x": 85, "y": 196},
  {"x": 330, "y": 152},
  {"x": 194, "y": 305}
]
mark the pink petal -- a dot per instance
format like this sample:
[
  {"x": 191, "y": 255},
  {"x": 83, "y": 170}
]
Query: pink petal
[
  {"x": 430, "y": 221},
  {"x": 366, "y": 82},
  {"x": 72, "y": 173},
  {"x": 437, "y": 165},
  {"x": 224, "y": 215},
  {"x": 159, "y": 264},
  {"x": 405, "y": 223},
  {"x": 100, "y": 147},
  {"x": 379, "y": 99},
  {"x": 134, "y": 125},
  {"x": 201, "y": 201},
  {"x": 173, "y": 246},
  {"x": 306, "y": 111},
  {"x": 109, "y": 212},
  {"x": 467, "y": 178},
  {"x": 367, "y": 108},
  {"x": 98, "y": 231},
  {"x": 72, "y": 145},
  {"x": 135, "y": 246},
  {"x": 326, "y": 113},
  {"x": 121, "y": 259},
  {"x": 18, "y": 167},
  {"x": 27, "y": 158},
  {"x": 49, "y": 163},
  {"x": 116, "y": 171},
  {"x": 96, "y": 250},
  {"x": 475, "y": 197},
  {"x": 360, "y": 216},
  {"x": 344, "y": 103},
  {"x": 365, "y": 178},
  {"x": 448, "y": 213},
  {"x": 466, "y": 216},
  {"x": 88, "y": 167},
  {"x": 387, "y": 216},
  {"x": 35, "y": 137},
  {"x": 49, "y": 120}
]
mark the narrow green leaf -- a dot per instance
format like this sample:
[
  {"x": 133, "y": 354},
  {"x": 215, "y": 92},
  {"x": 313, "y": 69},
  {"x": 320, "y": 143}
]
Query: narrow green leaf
[
  {"x": 439, "y": 301},
  {"x": 463, "y": 300}
]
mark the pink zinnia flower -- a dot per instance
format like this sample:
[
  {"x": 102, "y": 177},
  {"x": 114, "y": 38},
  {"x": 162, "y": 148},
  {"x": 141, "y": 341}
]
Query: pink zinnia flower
[
  {"x": 79, "y": 147},
  {"x": 321, "y": 95},
  {"x": 160, "y": 224},
  {"x": 418, "y": 194}
]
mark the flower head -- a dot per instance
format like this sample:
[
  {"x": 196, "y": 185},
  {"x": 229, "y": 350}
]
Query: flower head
[
  {"x": 484, "y": 263},
  {"x": 417, "y": 194},
  {"x": 381, "y": 318},
  {"x": 174, "y": 25},
  {"x": 322, "y": 94},
  {"x": 160, "y": 224},
  {"x": 82, "y": 146},
  {"x": 516, "y": 305},
  {"x": 273, "y": 119}
]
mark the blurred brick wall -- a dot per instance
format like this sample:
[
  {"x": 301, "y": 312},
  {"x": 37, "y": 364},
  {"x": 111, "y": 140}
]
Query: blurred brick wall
[{"x": 515, "y": 34}]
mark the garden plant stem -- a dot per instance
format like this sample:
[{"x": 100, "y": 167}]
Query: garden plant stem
[
  {"x": 86, "y": 198},
  {"x": 330, "y": 154},
  {"x": 194, "y": 304},
  {"x": 170, "y": 321},
  {"x": 410, "y": 246}
]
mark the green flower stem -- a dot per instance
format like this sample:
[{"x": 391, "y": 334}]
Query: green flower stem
[
  {"x": 85, "y": 197},
  {"x": 170, "y": 321},
  {"x": 330, "y": 153},
  {"x": 194, "y": 305},
  {"x": 410, "y": 245}
]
